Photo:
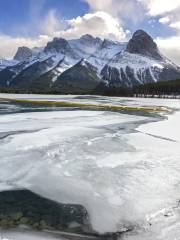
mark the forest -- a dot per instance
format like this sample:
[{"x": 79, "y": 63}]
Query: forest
[{"x": 161, "y": 89}]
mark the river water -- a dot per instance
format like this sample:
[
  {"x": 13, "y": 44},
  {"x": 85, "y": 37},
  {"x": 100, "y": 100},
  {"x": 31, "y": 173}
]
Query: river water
[{"x": 123, "y": 167}]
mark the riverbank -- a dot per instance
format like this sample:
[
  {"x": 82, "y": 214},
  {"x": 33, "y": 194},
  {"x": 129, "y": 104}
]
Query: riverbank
[{"x": 78, "y": 103}]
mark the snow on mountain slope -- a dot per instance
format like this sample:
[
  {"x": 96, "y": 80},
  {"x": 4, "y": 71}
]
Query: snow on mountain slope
[
  {"x": 105, "y": 53},
  {"x": 82, "y": 77},
  {"x": 27, "y": 77},
  {"x": 6, "y": 63},
  {"x": 24, "y": 69},
  {"x": 132, "y": 67},
  {"x": 96, "y": 51},
  {"x": 57, "y": 56},
  {"x": 141, "y": 62},
  {"x": 60, "y": 68},
  {"x": 64, "y": 64},
  {"x": 86, "y": 45},
  {"x": 72, "y": 52},
  {"x": 68, "y": 54}
]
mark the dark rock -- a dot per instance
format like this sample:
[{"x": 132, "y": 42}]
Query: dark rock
[
  {"x": 90, "y": 40},
  {"x": 26, "y": 208},
  {"x": 23, "y": 53},
  {"x": 106, "y": 43},
  {"x": 142, "y": 43},
  {"x": 59, "y": 45},
  {"x": 5, "y": 75}
]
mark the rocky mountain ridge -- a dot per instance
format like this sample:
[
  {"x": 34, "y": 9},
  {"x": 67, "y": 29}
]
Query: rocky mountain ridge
[{"x": 81, "y": 64}]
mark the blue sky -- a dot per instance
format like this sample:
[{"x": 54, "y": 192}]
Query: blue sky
[
  {"x": 34, "y": 22},
  {"x": 15, "y": 13}
]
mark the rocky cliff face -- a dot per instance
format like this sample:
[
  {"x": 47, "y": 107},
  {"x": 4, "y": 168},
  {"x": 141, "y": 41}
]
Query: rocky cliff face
[
  {"x": 23, "y": 53},
  {"x": 143, "y": 44}
]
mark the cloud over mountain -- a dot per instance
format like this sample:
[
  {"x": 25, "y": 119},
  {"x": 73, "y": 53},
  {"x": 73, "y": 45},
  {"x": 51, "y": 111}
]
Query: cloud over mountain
[
  {"x": 99, "y": 24},
  {"x": 113, "y": 19}
]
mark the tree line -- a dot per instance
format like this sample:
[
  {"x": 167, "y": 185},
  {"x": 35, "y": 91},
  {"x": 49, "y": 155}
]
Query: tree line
[{"x": 158, "y": 89}]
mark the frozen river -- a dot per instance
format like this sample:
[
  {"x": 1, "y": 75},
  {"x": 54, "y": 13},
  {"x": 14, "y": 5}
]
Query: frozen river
[{"x": 123, "y": 167}]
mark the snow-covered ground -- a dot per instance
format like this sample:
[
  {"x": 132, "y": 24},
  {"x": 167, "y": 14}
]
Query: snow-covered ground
[{"x": 124, "y": 168}]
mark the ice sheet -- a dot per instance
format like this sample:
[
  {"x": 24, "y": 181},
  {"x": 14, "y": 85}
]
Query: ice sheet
[
  {"x": 123, "y": 168},
  {"x": 20, "y": 234}
]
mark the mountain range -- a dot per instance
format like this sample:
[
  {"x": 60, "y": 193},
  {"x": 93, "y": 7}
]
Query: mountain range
[{"x": 87, "y": 64}]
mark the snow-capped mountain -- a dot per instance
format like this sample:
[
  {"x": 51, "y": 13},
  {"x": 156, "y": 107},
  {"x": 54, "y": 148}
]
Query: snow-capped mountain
[
  {"x": 141, "y": 62},
  {"x": 112, "y": 63},
  {"x": 6, "y": 63},
  {"x": 106, "y": 51},
  {"x": 86, "y": 45}
]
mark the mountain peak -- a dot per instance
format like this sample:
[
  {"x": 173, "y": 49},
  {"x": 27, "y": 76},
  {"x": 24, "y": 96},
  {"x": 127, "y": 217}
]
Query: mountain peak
[
  {"x": 142, "y": 43},
  {"x": 58, "y": 45},
  {"x": 84, "y": 63},
  {"x": 106, "y": 43},
  {"x": 87, "y": 38},
  {"x": 141, "y": 32},
  {"x": 23, "y": 53}
]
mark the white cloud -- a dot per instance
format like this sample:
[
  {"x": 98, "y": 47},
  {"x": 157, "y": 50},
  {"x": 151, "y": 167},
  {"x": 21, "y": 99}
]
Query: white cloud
[
  {"x": 123, "y": 9},
  {"x": 9, "y": 44},
  {"x": 175, "y": 25},
  {"x": 159, "y": 7},
  {"x": 169, "y": 12},
  {"x": 105, "y": 20},
  {"x": 52, "y": 23},
  {"x": 110, "y": 6},
  {"x": 170, "y": 47},
  {"x": 164, "y": 20},
  {"x": 99, "y": 24},
  {"x": 46, "y": 28}
]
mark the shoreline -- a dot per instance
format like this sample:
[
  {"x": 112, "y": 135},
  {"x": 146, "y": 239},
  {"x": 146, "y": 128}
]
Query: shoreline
[{"x": 92, "y": 106}]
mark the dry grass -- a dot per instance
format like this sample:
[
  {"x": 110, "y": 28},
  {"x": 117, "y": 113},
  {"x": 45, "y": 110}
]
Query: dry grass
[{"x": 92, "y": 106}]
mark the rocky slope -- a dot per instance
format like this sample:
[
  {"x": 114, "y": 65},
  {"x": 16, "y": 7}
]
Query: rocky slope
[{"x": 61, "y": 62}]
